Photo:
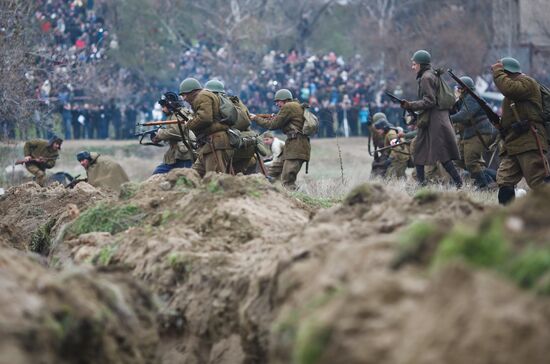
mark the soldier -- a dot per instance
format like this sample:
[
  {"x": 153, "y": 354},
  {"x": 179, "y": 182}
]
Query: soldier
[
  {"x": 215, "y": 152},
  {"x": 102, "y": 171},
  {"x": 476, "y": 133},
  {"x": 244, "y": 160},
  {"x": 41, "y": 155},
  {"x": 290, "y": 119},
  {"x": 379, "y": 165},
  {"x": 397, "y": 157},
  {"x": 435, "y": 140},
  {"x": 178, "y": 155},
  {"x": 276, "y": 146},
  {"x": 524, "y": 135}
]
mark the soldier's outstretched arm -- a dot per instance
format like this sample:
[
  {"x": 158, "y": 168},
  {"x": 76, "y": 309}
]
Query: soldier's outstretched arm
[{"x": 278, "y": 122}]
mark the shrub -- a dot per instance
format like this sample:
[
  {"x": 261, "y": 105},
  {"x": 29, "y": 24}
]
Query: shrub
[{"x": 104, "y": 218}]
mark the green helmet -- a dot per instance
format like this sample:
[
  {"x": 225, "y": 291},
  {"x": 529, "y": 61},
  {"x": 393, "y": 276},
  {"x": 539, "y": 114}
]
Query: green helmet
[
  {"x": 468, "y": 81},
  {"x": 188, "y": 85},
  {"x": 215, "y": 86},
  {"x": 378, "y": 116},
  {"x": 283, "y": 95},
  {"x": 422, "y": 57},
  {"x": 511, "y": 65}
]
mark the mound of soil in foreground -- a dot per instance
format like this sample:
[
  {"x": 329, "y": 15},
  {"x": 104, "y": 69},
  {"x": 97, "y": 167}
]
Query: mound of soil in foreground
[
  {"x": 76, "y": 316},
  {"x": 243, "y": 273}
]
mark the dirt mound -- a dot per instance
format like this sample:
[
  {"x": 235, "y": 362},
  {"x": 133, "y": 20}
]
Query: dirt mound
[
  {"x": 245, "y": 273},
  {"x": 346, "y": 302},
  {"x": 210, "y": 249},
  {"x": 76, "y": 316},
  {"x": 32, "y": 214}
]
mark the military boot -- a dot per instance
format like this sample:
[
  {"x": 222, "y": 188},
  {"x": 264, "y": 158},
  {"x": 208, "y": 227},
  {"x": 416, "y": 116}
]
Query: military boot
[
  {"x": 451, "y": 169},
  {"x": 480, "y": 180},
  {"x": 420, "y": 175},
  {"x": 506, "y": 194}
]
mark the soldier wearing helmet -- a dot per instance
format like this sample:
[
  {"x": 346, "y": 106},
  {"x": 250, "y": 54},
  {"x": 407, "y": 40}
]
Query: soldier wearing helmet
[
  {"x": 290, "y": 119},
  {"x": 435, "y": 141},
  {"x": 396, "y": 158},
  {"x": 41, "y": 155},
  {"x": 476, "y": 135},
  {"x": 244, "y": 159},
  {"x": 178, "y": 155},
  {"x": 215, "y": 152},
  {"x": 520, "y": 155}
]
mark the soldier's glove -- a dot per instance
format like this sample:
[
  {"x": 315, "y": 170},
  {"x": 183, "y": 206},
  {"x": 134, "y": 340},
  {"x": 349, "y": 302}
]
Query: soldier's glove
[{"x": 405, "y": 104}]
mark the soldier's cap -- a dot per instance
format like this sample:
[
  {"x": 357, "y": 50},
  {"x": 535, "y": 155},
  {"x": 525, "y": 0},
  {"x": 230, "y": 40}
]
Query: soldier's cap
[
  {"x": 55, "y": 139},
  {"x": 267, "y": 134},
  {"x": 83, "y": 155}
]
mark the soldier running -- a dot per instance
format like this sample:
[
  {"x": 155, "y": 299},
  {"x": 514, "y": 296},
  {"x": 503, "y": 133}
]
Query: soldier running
[{"x": 41, "y": 155}]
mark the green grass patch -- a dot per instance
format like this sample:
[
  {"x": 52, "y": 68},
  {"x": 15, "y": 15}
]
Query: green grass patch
[
  {"x": 105, "y": 255},
  {"x": 105, "y": 218},
  {"x": 311, "y": 341},
  {"x": 41, "y": 239},
  {"x": 213, "y": 187},
  {"x": 316, "y": 202},
  {"x": 484, "y": 248},
  {"x": 184, "y": 182},
  {"x": 531, "y": 268},
  {"x": 425, "y": 195},
  {"x": 128, "y": 190}
]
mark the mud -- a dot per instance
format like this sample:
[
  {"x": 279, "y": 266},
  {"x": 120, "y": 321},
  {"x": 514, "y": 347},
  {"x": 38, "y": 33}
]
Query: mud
[{"x": 243, "y": 272}]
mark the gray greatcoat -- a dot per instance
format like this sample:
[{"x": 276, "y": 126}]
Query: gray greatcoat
[{"x": 437, "y": 141}]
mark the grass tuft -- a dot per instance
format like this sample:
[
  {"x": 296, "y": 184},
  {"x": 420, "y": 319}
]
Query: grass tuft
[{"x": 105, "y": 218}]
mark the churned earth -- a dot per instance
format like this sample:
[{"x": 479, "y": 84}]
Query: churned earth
[{"x": 224, "y": 269}]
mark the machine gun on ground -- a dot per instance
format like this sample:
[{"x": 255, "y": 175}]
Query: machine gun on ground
[{"x": 75, "y": 180}]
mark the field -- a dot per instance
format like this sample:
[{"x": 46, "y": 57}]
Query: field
[{"x": 337, "y": 166}]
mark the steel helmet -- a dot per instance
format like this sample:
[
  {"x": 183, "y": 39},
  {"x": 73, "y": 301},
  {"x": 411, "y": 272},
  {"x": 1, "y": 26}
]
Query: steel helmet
[
  {"x": 511, "y": 65},
  {"x": 422, "y": 57},
  {"x": 215, "y": 86},
  {"x": 468, "y": 82},
  {"x": 283, "y": 95},
  {"x": 189, "y": 85},
  {"x": 378, "y": 116}
]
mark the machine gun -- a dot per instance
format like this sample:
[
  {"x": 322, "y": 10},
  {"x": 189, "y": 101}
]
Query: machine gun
[
  {"x": 151, "y": 133},
  {"x": 397, "y": 100}
]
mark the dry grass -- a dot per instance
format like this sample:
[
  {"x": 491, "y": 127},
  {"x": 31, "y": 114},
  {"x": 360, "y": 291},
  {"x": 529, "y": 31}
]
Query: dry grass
[{"x": 323, "y": 180}]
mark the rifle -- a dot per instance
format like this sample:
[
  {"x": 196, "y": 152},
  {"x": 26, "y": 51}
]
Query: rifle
[
  {"x": 265, "y": 116},
  {"x": 151, "y": 133},
  {"x": 393, "y": 146},
  {"x": 491, "y": 115},
  {"x": 158, "y": 122},
  {"x": 34, "y": 160},
  {"x": 75, "y": 181},
  {"x": 397, "y": 100}
]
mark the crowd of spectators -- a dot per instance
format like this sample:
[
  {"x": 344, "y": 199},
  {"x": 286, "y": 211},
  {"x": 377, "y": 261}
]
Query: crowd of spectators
[{"x": 344, "y": 92}]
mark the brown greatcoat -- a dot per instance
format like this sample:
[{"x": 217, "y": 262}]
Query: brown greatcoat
[
  {"x": 525, "y": 92},
  {"x": 437, "y": 141},
  {"x": 290, "y": 119},
  {"x": 104, "y": 172}
]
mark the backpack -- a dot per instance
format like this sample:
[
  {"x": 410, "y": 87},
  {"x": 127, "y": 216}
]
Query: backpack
[
  {"x": 311, "y": 122},
  {"x": 228, "y": 110},
  {"x": 243, "y": 118},
  {"x": 445, "y": 97}
]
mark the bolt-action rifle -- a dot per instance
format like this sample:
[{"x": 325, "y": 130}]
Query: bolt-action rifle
[
  {"x": 491, "y": 115},
  {"x": 397, "y": 100},
  {"x": 151, "y": 134},
  {"x": 38, "y": 160},
  {"x": 393, "y": 146}
]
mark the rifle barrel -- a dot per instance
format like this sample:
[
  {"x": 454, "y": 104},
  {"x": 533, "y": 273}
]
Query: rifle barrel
[
  {"x": 160, "y": 122},
  {"x": 393, "y": 146},
  {"x": 491, "y": 115}
]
